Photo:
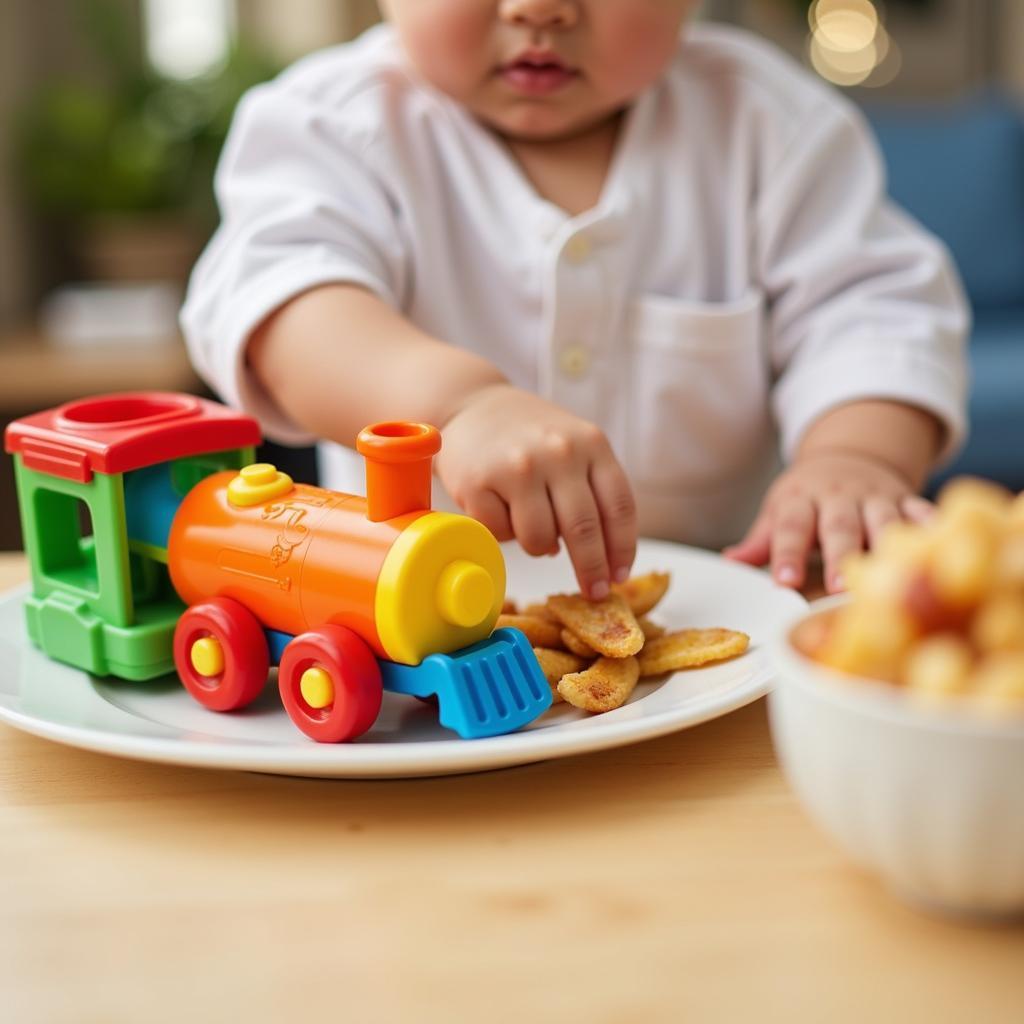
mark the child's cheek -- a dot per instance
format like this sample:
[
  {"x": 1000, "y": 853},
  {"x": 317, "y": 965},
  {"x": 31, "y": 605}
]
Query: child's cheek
[
  {"x": 449, "y": 43},
  {"x": 637, "y": 40}
]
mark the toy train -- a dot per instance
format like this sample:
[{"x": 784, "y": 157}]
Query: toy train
[{"x": 202, "y": 561}]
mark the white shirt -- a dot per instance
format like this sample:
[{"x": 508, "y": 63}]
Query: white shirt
[{"x": 741, "y": 275}]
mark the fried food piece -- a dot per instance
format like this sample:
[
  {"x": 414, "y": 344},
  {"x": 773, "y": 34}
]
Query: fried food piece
[
  {"x": 938, "y": 607},
  {"x": 650, "y": 629},
  {"x": 998, "y": 625},
  {"x": 571, "y": 642},
  {"x": 540, "y": 632},
  {"x": 540, "y": 611},
  {"x": 608, "y": 626},
  {"x": 1010, "y": 566},
  {"x": 869, "y": 640},
  {"x": 687, "y": 648},
  {"x": 555, "y": 664},
  {"x": 964, "y": 565},
  {"x": 1017, "y": 510},
  {"x": 642, "y": 593},
  {"x": 972, "y": 500},
  {"x": 508, "y": 607},
  {"x": 603, "y": 686},
  {"x": 939, "y": 666},
  {"x": 998, "y": 684}
]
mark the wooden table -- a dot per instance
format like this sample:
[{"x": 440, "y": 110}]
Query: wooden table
[
  {"x": 674, "y": 880},
  {"x": 36, "y": 374}
]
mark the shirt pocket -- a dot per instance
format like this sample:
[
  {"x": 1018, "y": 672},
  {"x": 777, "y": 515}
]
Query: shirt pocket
[{"x": 700, "y": 381}]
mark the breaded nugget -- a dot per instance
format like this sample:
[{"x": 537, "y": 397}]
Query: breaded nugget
[
  {"x": 642, "y": 593},
  {"x": 608, "y": 626},
  {"x": 540, "y": 611},
  {"x": 604, "y": 686},
  {"x": 540, "y": 632},
  {"x": 650, "y": 629},
  {"x": 571, "y": 642},
  {"x": 688, "y": 648},
  {"x": 555, "y": 664}
]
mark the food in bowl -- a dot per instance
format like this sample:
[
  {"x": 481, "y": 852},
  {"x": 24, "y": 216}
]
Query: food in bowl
[
  {"x": 934, "y": 621},
  {"x": 937, "y": 609}
]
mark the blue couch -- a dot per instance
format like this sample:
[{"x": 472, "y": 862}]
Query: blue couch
[{"x": 960, "y": 171}]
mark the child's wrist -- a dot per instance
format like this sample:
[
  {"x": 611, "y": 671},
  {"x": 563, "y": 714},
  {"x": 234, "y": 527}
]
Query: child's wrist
[
  {"x": 903, "y": 439},
  {"x": 874, "y": 458},
  {"x": 468, "y": 398}
]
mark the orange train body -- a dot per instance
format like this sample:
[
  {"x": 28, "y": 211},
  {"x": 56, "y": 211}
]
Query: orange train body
[{"x": 308, "y": 558}]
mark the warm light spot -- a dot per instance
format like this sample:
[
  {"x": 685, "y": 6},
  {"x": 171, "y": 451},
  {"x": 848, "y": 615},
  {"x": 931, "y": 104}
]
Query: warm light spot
[
  {"x": 849, "y": 44},
  {"x": 889, "y": 67},
  {"x": 842, "y": 68}
]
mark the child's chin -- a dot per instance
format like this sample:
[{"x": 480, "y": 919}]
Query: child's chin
[{"x": 539, "y": 125}]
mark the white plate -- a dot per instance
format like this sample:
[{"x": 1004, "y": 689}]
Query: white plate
[{"x": 158, "y": 721}]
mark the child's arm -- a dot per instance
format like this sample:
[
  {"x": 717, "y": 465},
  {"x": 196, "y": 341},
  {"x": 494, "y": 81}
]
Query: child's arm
[
  {"x": 337, "y": 357},
  {"x": 306, "y": 204},
  {"x": 867, "y": 332},
  {"x": 858, "y": 468}
]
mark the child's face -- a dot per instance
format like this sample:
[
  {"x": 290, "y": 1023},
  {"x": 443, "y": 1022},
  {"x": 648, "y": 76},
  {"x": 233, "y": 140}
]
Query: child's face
[{"x": 539, "y": 69}]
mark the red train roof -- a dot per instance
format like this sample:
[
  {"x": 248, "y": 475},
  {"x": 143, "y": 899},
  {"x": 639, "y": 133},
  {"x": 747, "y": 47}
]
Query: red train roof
[{"x": 121, "y": 432}]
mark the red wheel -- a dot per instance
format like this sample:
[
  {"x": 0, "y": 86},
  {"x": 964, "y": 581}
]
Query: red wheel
[
  {"x": 220, "y": 652},
  {"x": 330, "y": 684}
]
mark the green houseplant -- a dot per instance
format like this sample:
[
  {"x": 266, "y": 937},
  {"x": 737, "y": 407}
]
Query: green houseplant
[{"x": 123, "y": 166}]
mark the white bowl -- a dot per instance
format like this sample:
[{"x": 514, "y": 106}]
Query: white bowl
[{"x": 932, "y": 800}]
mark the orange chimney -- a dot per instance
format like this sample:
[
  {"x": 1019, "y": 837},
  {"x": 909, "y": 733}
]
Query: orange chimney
[{"x": 398, "y": 464}]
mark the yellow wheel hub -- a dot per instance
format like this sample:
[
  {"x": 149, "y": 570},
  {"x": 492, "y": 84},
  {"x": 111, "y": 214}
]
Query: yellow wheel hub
[
  {"x": 316, "y": 688},
  {"x": 440, "y": 588},
  {"x": 207, "y": 656},
  {"x": 465, "y": 593}
]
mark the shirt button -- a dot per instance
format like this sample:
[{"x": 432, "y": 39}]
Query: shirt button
[
  {"x": 578, "y": 249},
  {"x": 574, "y": 361}
]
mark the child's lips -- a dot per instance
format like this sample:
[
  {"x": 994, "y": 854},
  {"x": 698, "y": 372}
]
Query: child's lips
[{"x": 537, "y": 79}]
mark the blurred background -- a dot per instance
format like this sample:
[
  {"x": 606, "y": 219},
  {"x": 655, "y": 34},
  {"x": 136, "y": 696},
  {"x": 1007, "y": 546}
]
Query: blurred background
[{"x": 112, "y": 113}]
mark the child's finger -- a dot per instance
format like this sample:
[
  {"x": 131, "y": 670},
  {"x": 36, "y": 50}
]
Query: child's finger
[
  {"x": 916, "y": 509},
  {"x": 533, "y": 520},
  {"x": 840, "y": 533},
  {"x": 491, "y": 510},
  {"x": 756, "y": 545},
  {"x": 879, "y": 512},
  {"x": 792, "y": 536},
  {"x": 617, "y": 508},
  {"x": 579, "y": 522}
]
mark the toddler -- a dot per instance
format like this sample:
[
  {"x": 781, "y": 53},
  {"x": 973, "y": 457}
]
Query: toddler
[{"x": 619, "y": 260}]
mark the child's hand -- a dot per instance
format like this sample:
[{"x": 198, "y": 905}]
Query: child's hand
[
  {"x": 530, "y": 470},
  {"x": 837, "y": 499}
]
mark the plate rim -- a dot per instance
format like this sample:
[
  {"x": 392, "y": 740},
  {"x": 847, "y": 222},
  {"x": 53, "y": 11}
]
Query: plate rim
[{"x": 393, "y": 760}]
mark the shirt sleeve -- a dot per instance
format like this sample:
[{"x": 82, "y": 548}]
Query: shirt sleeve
[
  {"x": 301, "y": 205},
  {"x": 863, "y": 302}
]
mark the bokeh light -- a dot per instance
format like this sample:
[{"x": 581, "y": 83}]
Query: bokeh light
[
  {"x": 188, "y": 38},
  {"x": 849, "y": 44}
]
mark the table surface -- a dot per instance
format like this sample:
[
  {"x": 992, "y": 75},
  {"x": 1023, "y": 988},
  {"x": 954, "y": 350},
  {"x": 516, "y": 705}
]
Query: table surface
[{"x": 672, "y": 880}]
